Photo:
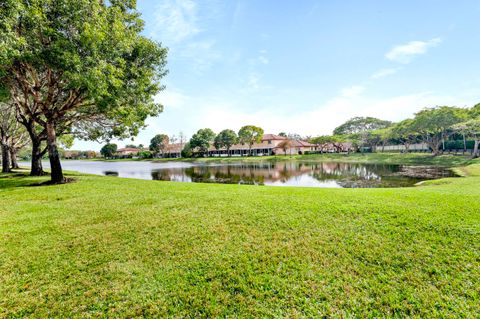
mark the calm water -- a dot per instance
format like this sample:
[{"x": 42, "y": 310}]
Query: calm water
[{"x": 289, "y": 173}]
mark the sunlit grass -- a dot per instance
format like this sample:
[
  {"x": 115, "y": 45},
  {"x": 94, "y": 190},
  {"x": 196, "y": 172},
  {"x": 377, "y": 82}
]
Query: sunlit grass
[{"x": 106, "y": 247}]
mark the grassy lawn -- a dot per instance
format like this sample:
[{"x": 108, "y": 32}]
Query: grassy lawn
[{"x": 111, "y": 247}]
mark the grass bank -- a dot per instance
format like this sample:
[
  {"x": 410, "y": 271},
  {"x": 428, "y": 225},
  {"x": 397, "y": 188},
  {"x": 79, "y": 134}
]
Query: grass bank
[{"x": 111, "y": 247}]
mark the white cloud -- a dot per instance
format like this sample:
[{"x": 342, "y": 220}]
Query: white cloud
[
  {"x": 253, "y": 81},
  {"x": 200, "y": 54},
  {"x": 176, "y": 20},
  {"x": 384, "y": 72},
  {"x": 406, "y": 52},
  {"x": 188, "y": 114},
  {"x": 322, "y": 120},
  {"x": 171, "y": 99},
  {"x": 263, "y": 59},
  {"x": 352, "y": 91}
]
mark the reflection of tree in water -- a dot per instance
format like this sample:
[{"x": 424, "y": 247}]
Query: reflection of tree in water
[
  {"x": 361, "y": 175},
  {"x": 260, "y": 173},
  {"x": 224, "y": 175}
]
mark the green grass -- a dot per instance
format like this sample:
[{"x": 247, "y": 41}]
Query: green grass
[{"x": 111, "y": 247}]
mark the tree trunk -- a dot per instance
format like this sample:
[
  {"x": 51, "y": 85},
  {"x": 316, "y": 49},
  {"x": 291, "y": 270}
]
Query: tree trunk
[
  {"x": 37, "y": 154},
  {"x": 56, "y": 176},
  {"x": 13, "y": 158},
  {"x": 5, "y": 159},
  {"x": 475, "y": 149}
]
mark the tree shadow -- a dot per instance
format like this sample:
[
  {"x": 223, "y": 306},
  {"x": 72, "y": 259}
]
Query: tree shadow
[{"x": 19, "y": 179}]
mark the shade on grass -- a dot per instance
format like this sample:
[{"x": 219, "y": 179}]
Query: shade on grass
[{"x": 106, "y": 246}]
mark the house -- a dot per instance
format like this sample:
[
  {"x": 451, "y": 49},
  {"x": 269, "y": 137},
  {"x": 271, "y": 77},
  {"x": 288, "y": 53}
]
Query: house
[
  {"x": 128, "y": 151},
  {"x": 173, "y": 150},
  {"x": 271, "y": 144}
]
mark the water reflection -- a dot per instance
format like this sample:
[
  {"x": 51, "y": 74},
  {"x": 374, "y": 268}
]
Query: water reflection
[
  {"x": 283, "y": 173},
  {"x": 301, "y": 174}
]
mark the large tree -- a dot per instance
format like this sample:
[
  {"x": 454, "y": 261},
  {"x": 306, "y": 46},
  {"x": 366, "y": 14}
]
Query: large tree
[
  {"x": 108, "y": 150},
  {"x": 405, "y": 132},
  {"x": 226, "y": 139},
  {"x": 358, "y": 125},
  {"x": 471, "y": 129},
  {"x": 434, "y": 125},
  {"x": 202, "y": 140},
  {"x": 250, "y": 135},
  {"x": 79, "y": 66},
  {"x": 159, "y": 143}
]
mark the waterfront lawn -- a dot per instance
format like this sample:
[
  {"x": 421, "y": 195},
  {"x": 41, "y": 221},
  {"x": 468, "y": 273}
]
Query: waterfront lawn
[{"x": 112, "y": 247}]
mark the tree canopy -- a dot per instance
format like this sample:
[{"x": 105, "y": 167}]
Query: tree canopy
[
  {"x": 435, "y": 124},
  {"x": 108, "y": 150},
  {"x": 250, "y": 134},
  {"x": 79, "y": 66},
  {"x": 202, "y": 140},
  {"x": 360, "y": 125},
  {"x": 226, "y": 139},
  {"x": 159, "y": 143}
]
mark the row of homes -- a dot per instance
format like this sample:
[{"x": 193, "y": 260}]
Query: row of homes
[{"x": 271, "y": 144}]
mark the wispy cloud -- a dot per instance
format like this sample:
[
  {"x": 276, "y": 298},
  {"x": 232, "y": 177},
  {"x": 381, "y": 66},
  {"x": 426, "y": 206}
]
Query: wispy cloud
[
  {"x": 176, "y": 20},
  {"x": 352, "y": 91},
  {"x": 406, "y": 52},
  {"x": 384, "y": 72}
]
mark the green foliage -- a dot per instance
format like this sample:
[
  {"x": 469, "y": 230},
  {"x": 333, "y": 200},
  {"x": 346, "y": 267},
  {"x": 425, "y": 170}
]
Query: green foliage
[
  {"x": 475, "y": 111},
  {"x": 87, "y": 63},
  {"x": 360, "y": 125},
  {"x": 66, "y": 140},
  {"x": 435, "y": 124},
  {"x": 187, "y": 151},
  {"x": 250, "y": 134},
  {"x": 145, "y": 154},
  {"x": 108, "y": 150},
  {"x": 225, "y": 139},
  {"x": 158, "y": 143},
  {"x": 202, "y": 140}
]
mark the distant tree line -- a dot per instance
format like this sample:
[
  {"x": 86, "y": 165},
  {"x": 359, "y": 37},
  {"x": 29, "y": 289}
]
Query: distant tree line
[{"x": 435, "y": 127}]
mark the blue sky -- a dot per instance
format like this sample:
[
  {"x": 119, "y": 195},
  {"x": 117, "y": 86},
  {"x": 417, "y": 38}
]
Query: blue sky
[{"x": 307, "y": 66}]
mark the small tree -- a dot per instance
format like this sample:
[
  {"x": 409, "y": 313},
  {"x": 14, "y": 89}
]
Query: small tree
[
  {"x": 108, "y": 150},
  {"x": 202, "y": 140},
  {"x": 187, "y": 151},
  {"x": 286, "y": 145},
  {"x": 159, "y": 143},
  {"x": 250, "y": 135},
  {"x": 226, "y": 139}
]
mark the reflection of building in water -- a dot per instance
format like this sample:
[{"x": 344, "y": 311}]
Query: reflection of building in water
[{"x": 260, "y": 173}]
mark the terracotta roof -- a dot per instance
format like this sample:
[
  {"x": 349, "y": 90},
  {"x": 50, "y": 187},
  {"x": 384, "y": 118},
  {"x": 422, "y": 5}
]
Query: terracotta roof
[
  {"x": 128, "y": 149},
  {"x": 300, "y": 143},
  {"x": 174, "y": 148},
  {"x": 269, "y": 137}
]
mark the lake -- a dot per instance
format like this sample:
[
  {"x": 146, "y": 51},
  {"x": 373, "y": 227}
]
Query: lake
[{"x": 279, "y": 173}]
